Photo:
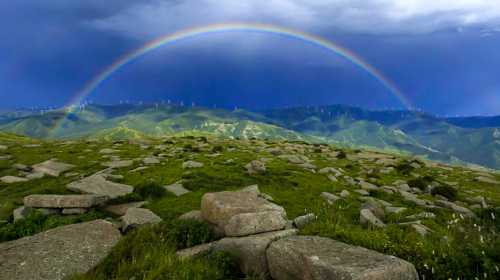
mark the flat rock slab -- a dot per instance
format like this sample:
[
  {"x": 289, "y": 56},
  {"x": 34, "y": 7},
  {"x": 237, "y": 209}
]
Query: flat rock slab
[
  {"x": 121, "y": 209},
  {"x": 136, "y": 217},
  {"x": 177, "y": 189},
  {"x": 219, "y": 208},
  {"x": 3, "y": 147},
  {"x": 12, "y": 179},
  {"x": 244, "y": 224},
  {"x": 251, "y": 250},
  {"x": 197, "y": 251},
  {"x": 109, "y": 151},
  {"x": 118, "y": 163},
  {"x": 5, "y": 157},
  {"x": 52, "y": 168},
  {"x": 57, "y": 253},
  {"x": 99, "y": 185},
  {"x": 192, "y": 164},
  {"x": 65, "y": 201},
  {"x": 312, "y": 257}
]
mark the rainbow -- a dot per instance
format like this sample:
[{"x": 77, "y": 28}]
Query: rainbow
[{"x": 232, "y": 28}]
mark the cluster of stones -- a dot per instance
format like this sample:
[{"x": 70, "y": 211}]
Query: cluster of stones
[{"x": 266, "y": 243}]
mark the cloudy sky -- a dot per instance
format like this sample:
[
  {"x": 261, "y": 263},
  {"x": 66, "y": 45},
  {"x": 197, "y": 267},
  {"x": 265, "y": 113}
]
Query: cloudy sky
[{"x": 442, "y": 54}]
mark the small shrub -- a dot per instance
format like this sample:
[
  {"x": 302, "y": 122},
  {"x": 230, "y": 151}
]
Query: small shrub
[
  {"x": 357, "y": 151},
  {"x": 446, "y": 191},
  {"x": 195, "y": 150},
  {"x": 156, "y": 153},
  {"x": 130, "y": 197},
  {"x": 372, "y": 175},
  {"x": 189, "y": 233},
  {"x": 168, "y": 142},
  {"x": 349, "y": 166},
  {"x": 341, "y": 154},
  {"x": 203, "y": 139},
  {"x": 226, "y": 263},
  {"x": 418, "y": 183},
  {"x": 188, "y": 146},
  {"x": 189, "y": 137},
  {"x": 319, "y": 151},
  {"x": 150, "y": 189},
  {"x": 217, "y": 149}
]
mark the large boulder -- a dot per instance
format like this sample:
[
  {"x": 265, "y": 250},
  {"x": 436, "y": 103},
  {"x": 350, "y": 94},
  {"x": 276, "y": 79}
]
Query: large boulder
[
  {"x": 52, "y": 168},
  {"x": 65, "y": 201},
  {"x": 57, "y": 253},
  {"x": 219, "y": 208},
  {"x": 244, "y": 224},
  {"x": 375, "y": 207},
  {"x": 99, "y": 185},
  {"x": 302, "y": 221},
  {"x": 136, "y": 217},
  {"x": 314, "y": 258},
  {"x": 251, "y": 250}
]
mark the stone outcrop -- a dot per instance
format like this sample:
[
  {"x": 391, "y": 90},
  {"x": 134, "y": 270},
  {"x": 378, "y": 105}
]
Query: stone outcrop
[
  {"x": 97, "y": 184},
  {"x": 177, "y": 188},
  {"x": 255, "y": 166},
  {"x": 312, "y": 257},
  {"x": 65, "y": 201},
  {"x": 136, "y": 217},
  {"x": 244, "y": 224},
  {"x": 52, "y": 168},
  {"x": 57, "y": 253}
]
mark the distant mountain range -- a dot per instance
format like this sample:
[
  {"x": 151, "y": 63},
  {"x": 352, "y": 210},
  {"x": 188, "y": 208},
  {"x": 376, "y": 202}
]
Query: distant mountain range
[{"x": 459, "y": 141}]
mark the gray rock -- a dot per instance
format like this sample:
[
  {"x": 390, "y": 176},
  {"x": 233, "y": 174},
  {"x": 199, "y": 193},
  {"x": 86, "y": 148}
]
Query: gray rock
[
  {"x": 99, "y": 185},
  {"x": 58, "y": 253},
  {"x": 138, "y": 169},
  {"x": 349, "y": 181},
  {"x": 251, "y": 250},
  {"x": 255, "y": 166},
  {"x": 21, "y": 212},
  {"x": 415, "y": 165},
  {"x": 34, "y": 175},
  {"x": 12, "y": 179},
  {"x": 266, "y": 197},
  {"x": 244, "y": 224},
  {"x": 440, "y": 197},
  {"x": 332, "y": 178},
  {"x": 386, "y": 161},
  {"x": 195, "y": 214},
  {"x": 275, "y": 151},
  {"x": 375, "y": 207},
  {"x": 74, "y": 211},
  {"x": 219, "y": 208},
  {"x": 367, "y": 186},
  {"x": 50, "y": 211},
  {"x": 312, "y": 257},
  {"x": 344, "y": 194},
  {"x": 487, "y": 180},
  {"x": 21, "y": 167},
  {"x": 197, "y": 251},
  {"x": 362, "y": 192},
  {"x": 366, "y": 218},
  {"x": 118, "y": 163},
  {"x": 108, "y": 151},
  {"x": 5, "y": 158},
  {"x": 150, "y": 160},
  {"x": 308, "y": 166},
  {"x": 393, "y": 189},
  {"x": 177, "y": 188},
  {"x": 454, "y": 207},
  {"x": 65, "y": 201},
  {"x": 253, "y": 189},
  {"x": 192, "y": 164},
  {"x": 302, "y": 221},
  {"x": 404, "y": 187},
  {"x": 395, "y": 210},
  {"x": 3, "y": 147},
  {"x": 412, "y": 198},
  {"x": 295, "y": 160},
  {"x": 136, "y": 217},
  {"x": 421, "y": 229},
  {"x": 52, "y": 168},
  {"x": 331, "y": 198},
  {"x": 121, "y": 209}
]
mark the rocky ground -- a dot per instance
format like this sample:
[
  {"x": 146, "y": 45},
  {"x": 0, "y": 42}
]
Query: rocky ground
[{"x": 286, "y": 210}]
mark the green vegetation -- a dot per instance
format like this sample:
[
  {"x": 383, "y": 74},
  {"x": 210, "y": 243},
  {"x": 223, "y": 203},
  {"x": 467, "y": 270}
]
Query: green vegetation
[
  {"x": 37, "y": 222},
  {"x": 150, "y": 189},
  {"x": 446, "y": 191}
]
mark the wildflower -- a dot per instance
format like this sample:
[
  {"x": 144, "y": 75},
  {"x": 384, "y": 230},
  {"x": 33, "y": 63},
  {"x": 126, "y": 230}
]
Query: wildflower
[
  {"x": 461, "y": 216},
  {"x": 433, "y": 252},
  {"x": 482, "y": 252},
  {"x": 481, "y": 238},
  {"x": 485, "y": 275},
  {"x": 493, "y": 216},
  {"x": 497, "y": 268}
]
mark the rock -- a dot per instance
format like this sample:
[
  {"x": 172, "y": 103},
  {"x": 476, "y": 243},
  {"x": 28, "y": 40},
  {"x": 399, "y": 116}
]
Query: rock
[
  {"x": 352, "y": 158},
  {"x": 138, "y": 169},
  {"x": 487, "y": 180},
  {"x": 250, "y": 251},
  {"x": 34, "y": 175},
  {"x": 308, "y": 166},
  {"x": 275, "y": 152},
  {"x": 454, "y": 207},
  {"x": 253, "y": 189},
  {"x": 177, "y": 188},
  {"x": 99, "y": 185},
  {"x": 412, "y": 198},
  {"x": 362, "y": 192},
  {"x": 244, "y": 224},
  {"x": 50, "y": 211},
  {"x": 385, "y": 161},
  {"x": 192, "y": 164},
  {"x": 255, "y": 166},
  {"x": 313, "y": 257},
  {"x": 74, "y": 211},
  {"x": 5, "y": 158},
  {"x": 440, "y": 197},
  {"x": 108, "y": 151},
  {"x": 393, "y": 189},
  {"x": 404, "y": 187},
  {"x": 52, "y": 168},
  {"x": 12, "y": 179},
  {"x": 395, "y": 210},
  {"x": 118, "y": 163},
  {"x": 136, "y": 217},
  {"x": 266, "y": 197},
  {"x": 366, "y": 218},
  {"x": 331, "y": 198},
  {"x": 161, "y": 147},
  {"x": 20, "y": 167},
  {"x": 21, "y": 212},
  {"x": 332, "y": 178},
  {"x": 197, "y": 251},
  {"x": 121, "y": 209},
  {"x": 295, "y": 160},
  {"x": 3, "y": 147},
  {"x": 65, "y": 201},
  {"x": 219, "y": 208},
  {"x": 421, "y": 229},
  {"x": 144, "y": 148},
  {"x": 58, "y": 253},
  {"x": 302, "y": 221},
  {"x": 150, "y": 161},
  {"x": 32, "y": 146},
  {"x": 195, "y": 214},
  {"x": 349, "y": 181},
  {"x": 375, "y": 207},
  {"x": 367, "y": 186},
  {"x": 344, "y": 194},
  {"x": 415, "y": 165}
]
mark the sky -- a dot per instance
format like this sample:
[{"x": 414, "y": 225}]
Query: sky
[{"x": 441, "y": 54}]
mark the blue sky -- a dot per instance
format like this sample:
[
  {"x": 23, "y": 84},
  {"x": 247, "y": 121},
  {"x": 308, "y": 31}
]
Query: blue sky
[{"x": 442, "y": 54}]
